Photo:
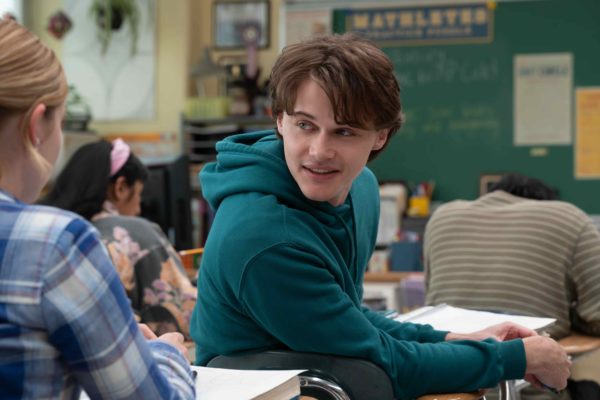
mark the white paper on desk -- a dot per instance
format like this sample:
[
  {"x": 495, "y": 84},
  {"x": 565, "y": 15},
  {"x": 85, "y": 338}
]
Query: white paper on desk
[
  {"x": 219, "y": 383},
  {"x": 461, "y": 320}
]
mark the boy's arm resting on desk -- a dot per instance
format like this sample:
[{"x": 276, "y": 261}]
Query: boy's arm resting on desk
[
  {"x": 319, "y": 316},
  {"x": 404, "y": 331},
  {"x": 89, "y": 321}
]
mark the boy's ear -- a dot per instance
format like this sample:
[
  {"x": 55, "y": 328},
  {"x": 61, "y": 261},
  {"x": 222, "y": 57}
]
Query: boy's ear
[
  {"x": 382, "y": 137},
  {"x": 280, "y": 122},
  {"x": 36, "y": 129}
]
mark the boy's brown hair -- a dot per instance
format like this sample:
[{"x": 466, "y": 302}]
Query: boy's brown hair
[{"x": 356, "y": 75}]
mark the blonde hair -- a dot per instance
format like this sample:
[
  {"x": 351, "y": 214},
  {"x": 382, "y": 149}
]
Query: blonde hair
[{"x": 30, "y": 74}]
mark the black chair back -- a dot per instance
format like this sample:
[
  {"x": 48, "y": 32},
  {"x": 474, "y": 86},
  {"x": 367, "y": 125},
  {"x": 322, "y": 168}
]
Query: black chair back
[{"x": 327, "y": 377}]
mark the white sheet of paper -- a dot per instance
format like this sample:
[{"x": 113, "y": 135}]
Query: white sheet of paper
[
  {"x": 461, "y": 320},
  {"x": 543, "y": 87}
]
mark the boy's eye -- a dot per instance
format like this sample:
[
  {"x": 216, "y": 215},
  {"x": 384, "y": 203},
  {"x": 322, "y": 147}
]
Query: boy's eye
[
  {"x": 345, "y": 132},
  {"x": 304, "y": 125}
]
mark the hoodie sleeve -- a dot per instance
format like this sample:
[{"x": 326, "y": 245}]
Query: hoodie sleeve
[
  {"x": 404, "y": 331},
  {"x": 290, "y": 294}
]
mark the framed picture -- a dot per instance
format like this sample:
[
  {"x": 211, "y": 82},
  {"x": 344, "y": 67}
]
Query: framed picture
[
  {"x": 239, "y": 23},
  {"x": 487, "y": 181}
]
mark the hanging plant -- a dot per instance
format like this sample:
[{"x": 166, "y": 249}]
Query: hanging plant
[{"x": 110, "y": 15}]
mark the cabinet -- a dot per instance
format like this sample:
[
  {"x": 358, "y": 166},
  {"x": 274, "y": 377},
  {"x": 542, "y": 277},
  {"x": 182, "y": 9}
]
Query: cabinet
[{"x": 199, "y": 136}]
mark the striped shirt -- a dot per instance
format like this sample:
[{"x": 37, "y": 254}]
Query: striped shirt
[
  {"x": 510, "y": 254},
  {"x": 65, "y": 322}
]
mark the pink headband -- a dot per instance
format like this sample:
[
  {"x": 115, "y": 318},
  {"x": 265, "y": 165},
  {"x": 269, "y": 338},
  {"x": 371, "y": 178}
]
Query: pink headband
[{"x": 118, "y": 155}]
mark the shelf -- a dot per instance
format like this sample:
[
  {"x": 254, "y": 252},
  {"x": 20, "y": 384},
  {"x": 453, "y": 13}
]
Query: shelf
[
  {"x": 200, "y": 135},
  {"x": 238, "y": 120}
]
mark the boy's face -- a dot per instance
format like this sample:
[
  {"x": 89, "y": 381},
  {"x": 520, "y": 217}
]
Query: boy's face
[{"x": 323, "y": 157}]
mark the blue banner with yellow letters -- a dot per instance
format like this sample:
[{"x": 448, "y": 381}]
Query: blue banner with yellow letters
[{"x": 463, "y": 23}]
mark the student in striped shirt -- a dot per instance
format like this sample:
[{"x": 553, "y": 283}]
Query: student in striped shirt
[
  {"x": 65, "y": 322},
  {"x": 517, "y": 250}
]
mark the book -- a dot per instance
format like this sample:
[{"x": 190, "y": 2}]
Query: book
[
  {"x": 461, "y": 320},
  {"x": 234, "y": 384}
]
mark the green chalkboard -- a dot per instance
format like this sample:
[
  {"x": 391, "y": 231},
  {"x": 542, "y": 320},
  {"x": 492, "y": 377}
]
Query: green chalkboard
[{"x": 458, "y": 101}]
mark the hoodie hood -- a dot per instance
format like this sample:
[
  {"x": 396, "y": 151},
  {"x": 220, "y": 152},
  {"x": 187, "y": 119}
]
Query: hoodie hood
[{"x": 255, "y": 162}]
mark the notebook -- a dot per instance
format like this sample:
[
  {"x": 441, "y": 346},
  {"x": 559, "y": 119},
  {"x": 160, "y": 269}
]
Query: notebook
[
  {"x": 461, "y": 320},
  {"x": 233, "y": 384}
]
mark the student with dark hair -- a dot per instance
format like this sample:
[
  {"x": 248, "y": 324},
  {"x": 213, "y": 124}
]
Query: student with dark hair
[
  {"x": 526, "y": 187},
  {"x": 100, "y": 175},
  {"x": 103, "y": 182},
  {"x": 65, "y": 322},
  {"x": 296, "y": 223}
]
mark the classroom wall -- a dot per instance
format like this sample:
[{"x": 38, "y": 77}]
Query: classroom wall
[
  {"x": 460, "y": 103},
  {"x": 173, "y": 24},
  {"x": 184, "y": 29},
  {"x": 201, "y": 32}
]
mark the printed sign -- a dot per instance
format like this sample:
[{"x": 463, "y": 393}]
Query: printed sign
[{"x": 427, "y": 24}]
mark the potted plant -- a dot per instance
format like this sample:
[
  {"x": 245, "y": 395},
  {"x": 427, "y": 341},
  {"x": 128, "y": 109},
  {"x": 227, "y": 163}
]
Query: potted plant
[
  {"x": 110, "y": 15},
  {"x": 78, "y": 112}
]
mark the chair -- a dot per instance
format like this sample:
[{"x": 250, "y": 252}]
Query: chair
[{"x": 331, "y": 377}]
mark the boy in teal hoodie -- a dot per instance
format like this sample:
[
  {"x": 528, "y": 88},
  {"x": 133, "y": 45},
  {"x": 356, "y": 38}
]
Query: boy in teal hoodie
[{"x": 295, "y": 225}]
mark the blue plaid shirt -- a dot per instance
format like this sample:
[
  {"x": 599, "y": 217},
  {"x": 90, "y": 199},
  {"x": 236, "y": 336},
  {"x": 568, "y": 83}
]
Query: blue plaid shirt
[{"x": 65, "y": 321}]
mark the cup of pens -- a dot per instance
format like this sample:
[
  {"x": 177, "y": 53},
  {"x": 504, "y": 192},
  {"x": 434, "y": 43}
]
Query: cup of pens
[{"x": 420, "y": 201}]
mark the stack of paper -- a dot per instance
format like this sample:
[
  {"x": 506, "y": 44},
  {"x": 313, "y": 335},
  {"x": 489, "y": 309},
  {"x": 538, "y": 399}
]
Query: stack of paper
[
  {"x": 233, "y": 384},
  {"x": 460, "y": 320}
]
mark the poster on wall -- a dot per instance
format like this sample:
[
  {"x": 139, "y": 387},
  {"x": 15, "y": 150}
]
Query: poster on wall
[
  {"x": 303, "y": 24},
  {"x": 118, "y": 83},
  {"x": 587, "y": 131},
  {"x": 543, "y": 87}
]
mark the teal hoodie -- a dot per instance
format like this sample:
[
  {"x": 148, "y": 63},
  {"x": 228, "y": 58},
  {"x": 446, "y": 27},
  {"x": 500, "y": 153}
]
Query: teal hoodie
[{"x": 282, "y": 271}]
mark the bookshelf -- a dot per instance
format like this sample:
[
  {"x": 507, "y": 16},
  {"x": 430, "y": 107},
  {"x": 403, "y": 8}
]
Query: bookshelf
[{"x": 198, "y": 139}]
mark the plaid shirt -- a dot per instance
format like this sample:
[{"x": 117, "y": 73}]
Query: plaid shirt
[{"x": 65, "y": 322}]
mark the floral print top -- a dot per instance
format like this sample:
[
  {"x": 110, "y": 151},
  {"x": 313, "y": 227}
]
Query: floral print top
[{"x": 150, "y": 269}]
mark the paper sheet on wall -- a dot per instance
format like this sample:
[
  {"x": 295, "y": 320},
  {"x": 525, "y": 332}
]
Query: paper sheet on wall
[
  {"x": 587, "y": 131},
  {"x": 543, "y": 85}
]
